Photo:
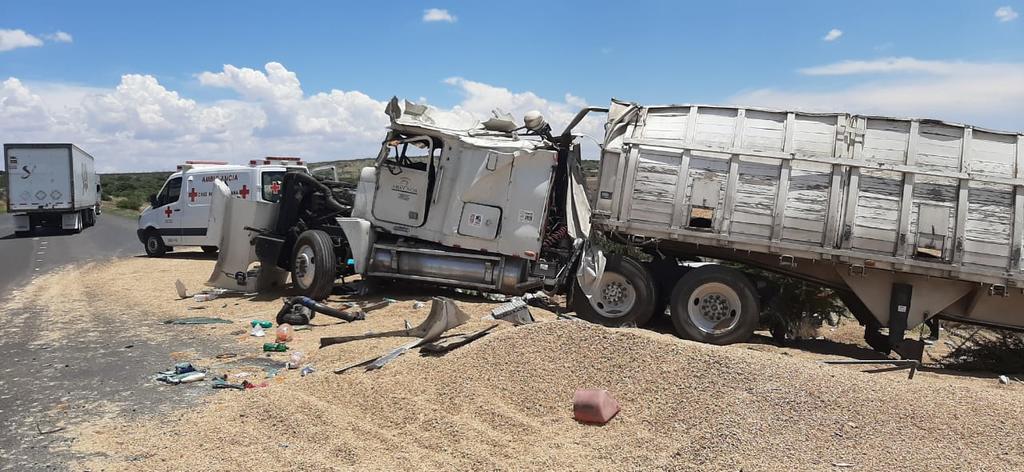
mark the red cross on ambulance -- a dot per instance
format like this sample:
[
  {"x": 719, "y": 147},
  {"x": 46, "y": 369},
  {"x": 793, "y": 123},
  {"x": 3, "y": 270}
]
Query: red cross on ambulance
[
  {"x": 192, "y": 194},
  {"x": 244, "y": 193},
  {"x": 167, "y": 211}
]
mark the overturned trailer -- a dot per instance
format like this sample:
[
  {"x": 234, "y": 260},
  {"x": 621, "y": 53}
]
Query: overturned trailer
[{"x": 906, "y": 219}]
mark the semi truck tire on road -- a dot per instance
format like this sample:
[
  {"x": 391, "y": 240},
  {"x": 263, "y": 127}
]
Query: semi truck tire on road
[
  {"x": 715, "y": 304},
  {"x": 626, "y": 295},
  {"x": 314, "y": 265},
  {"x": 155, "y": 246}
]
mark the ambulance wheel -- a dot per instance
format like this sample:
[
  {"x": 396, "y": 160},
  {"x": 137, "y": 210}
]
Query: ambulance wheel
[
  {"x": 626, "y": 295},
  {"x": 314, "y": 265},
  {"x": 209, "y": 249},
  {"x": 155, "y": 246}
]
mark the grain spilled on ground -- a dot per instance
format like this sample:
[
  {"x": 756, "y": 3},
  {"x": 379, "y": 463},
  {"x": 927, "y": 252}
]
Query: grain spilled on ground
[{"x": 504, "y": 403}]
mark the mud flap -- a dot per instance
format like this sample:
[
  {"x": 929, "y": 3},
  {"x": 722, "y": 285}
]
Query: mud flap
[
  {"x": 590, "y": 270},
  {"x": 231, "y": 217}
]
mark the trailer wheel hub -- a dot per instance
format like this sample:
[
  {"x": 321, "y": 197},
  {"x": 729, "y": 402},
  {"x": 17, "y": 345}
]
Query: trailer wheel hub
[
  {"x": 714, "y": 308},
  {"x": 616, "y": 297}
]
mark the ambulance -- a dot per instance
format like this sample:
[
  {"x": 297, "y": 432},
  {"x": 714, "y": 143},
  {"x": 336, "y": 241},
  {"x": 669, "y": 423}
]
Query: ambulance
[{"x": 178, "y": 215}]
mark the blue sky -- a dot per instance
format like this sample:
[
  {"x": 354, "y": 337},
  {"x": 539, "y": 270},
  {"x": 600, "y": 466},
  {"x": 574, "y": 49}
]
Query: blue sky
[{"x": 906, "y": 55}]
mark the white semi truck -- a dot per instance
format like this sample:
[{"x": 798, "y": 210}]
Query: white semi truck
[
  {"x": 906, "y": 219},
  {"x": 51, "y": 185}
]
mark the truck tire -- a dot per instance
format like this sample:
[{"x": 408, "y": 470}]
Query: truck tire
[
  {"x": 314, "y": 265},
  {"x": 209, "y": 249},
  {"x": 715, "y": 304},
  {"x": 155, "y": 246},
  {"x": 625, "y": 296}
]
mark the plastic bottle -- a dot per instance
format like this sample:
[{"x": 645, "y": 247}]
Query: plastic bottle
[
  {"x": 284, "y": 333},
  {"x": 295, "y": 359},
  {"x": 275, "y": 347},
  {"x": 257, "y": 331}
]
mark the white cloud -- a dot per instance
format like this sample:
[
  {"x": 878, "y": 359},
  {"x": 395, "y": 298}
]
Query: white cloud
[
  {"x": 15, "y": 38},
  {"x": 1007, "y": 13},
  {"x": 832, "y": 35},
  {"x": 436, "y": 14},
  {"x": 142, "y": 125},
  {"x": 984, "y": 94},
  {"x": 60, "y": 37}
]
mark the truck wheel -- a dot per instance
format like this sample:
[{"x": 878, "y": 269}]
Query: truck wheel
[
  {"x": 209, "y": 249},
  {"x": 314, "y": 265},
  {"x": 715, "y": 304},
  {"x": 626, "y": 295},
  {"x": 155, "y": 246}
]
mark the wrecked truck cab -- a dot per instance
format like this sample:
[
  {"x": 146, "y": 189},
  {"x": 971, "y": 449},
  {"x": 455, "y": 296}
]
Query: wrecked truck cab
[{"x": 449, "y": 201}]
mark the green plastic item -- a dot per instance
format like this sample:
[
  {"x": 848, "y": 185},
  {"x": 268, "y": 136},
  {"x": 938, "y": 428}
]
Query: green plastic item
[
  {"x": 262, "y": 323},
  {"x": 275, "y": 347}
]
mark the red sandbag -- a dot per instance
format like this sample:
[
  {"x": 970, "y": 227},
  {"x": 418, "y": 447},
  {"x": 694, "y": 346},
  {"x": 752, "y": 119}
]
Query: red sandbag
[{"x": 596, "y": 406}]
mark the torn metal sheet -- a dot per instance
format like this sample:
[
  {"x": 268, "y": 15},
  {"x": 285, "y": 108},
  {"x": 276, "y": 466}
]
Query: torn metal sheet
[
  {"x": 234, "y": 217},
  {"x": 444, "y": 315}
]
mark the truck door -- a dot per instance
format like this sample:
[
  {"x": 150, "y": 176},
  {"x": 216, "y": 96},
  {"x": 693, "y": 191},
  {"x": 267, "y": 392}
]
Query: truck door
[
  {"x": 405, "y": 178},
  {"x": 168, "y": 206}
]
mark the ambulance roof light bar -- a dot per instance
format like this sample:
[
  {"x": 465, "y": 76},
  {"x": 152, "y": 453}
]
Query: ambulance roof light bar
[
  {"x": 191, "y": 164},
  {"x": 278, "y": 160}
]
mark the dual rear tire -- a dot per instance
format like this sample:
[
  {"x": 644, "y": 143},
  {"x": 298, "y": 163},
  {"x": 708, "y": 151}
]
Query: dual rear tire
[{"x": 710, "y": 304}]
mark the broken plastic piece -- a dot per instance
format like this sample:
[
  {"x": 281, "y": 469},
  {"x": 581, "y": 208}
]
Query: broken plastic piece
[
  {"x": 515, "y": 312},
  {"x": 595, "y": 406},
  {"x": 180, "y": 287}
]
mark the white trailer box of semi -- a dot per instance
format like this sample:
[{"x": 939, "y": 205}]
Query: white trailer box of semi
[{"x": 52, "y": 185}]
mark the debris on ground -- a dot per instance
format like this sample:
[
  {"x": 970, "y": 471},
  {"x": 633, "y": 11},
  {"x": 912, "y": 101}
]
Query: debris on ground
[
  {"x": 594, "y": 406},
  {"x": 283, "y": 333},
  {"x": 307, "y": 370},
  {"x": 454, "y": 342},
  {"x": 302, "y": 310},
  {"x": 1004, "y": 380},
  {"x": 444, "y": 315},
  {"x": 261, "y": 323},
  {"x": 275, "y": 347},
  {"x": 224, "y": 384},
  {"x": 194, "y": 320},
  {"x": 257, "y": 331},
  {"x": 515, "y": 312},
  {"x": 179, "y": 286}
]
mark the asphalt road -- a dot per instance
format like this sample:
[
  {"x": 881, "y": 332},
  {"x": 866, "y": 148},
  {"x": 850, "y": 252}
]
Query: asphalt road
[
  {"x": 21, "y": 258},
  {"x": 46, "y": 386}
]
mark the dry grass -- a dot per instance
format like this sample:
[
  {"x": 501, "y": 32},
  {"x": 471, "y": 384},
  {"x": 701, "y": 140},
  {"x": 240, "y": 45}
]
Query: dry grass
[{"x": 503, "y": 402}]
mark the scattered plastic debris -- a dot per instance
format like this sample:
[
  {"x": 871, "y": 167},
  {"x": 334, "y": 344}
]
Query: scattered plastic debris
[
  {"x": 261, "y": 323},
  {"x": 416, "y": 305},
  {"x": 295, "y": 359},
  {"x": 219, "y": 384},
  {"x": 515, "y": 312},
  {"x": 193, "y": 320},
  {"x": 594, "y": 406},
  {"x": 275, "y": 347},
  {"x": 1004, "y": 380},
  {"x": 180, "y": 287},
  {"x": 307, "y": 370},
  {"x": 247, "y": 384},
  {"x": 283, "y": 333},
  {"x": 258, "y": 332}
]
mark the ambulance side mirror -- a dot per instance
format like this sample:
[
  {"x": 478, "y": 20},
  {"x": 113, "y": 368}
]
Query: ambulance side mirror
[{"x": 152, "y": 200}]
